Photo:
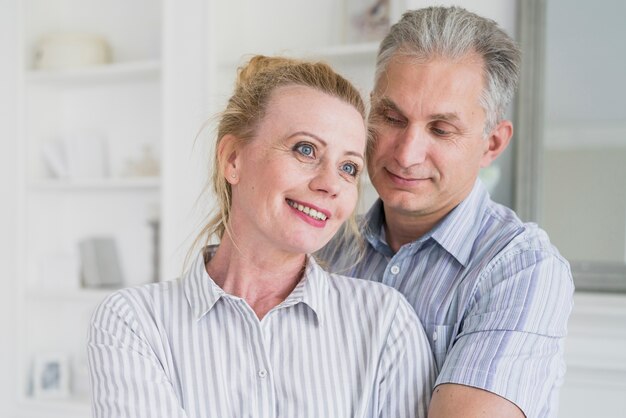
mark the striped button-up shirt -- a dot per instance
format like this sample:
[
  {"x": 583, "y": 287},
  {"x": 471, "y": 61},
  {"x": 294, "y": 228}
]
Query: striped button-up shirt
[
  {"x": 493, "y": 295},
  {"x": 336, "y": 347}
]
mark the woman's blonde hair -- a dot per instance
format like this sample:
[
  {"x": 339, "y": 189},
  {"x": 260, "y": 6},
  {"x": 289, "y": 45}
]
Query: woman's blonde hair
[{"x": 256, "y": 81}]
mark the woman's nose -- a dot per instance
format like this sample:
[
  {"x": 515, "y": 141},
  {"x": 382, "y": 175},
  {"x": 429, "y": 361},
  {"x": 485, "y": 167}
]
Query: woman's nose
[{"x": 326, "y": 180}]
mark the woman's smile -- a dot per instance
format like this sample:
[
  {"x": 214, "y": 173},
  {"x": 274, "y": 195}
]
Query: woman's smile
[{"x": 312, "y": 214}]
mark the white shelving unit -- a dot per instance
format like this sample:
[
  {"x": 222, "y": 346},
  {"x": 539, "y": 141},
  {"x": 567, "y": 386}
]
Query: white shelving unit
[
  {"x": 158, "y": 90},
  {"x": 90, "y": 141}
]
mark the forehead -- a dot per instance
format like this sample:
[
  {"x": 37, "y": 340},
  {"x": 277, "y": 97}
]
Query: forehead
[
  {"x": 296, "y": 108},
  {"x": 296, "y": 98},
  {"x": 439, "y": 85}
]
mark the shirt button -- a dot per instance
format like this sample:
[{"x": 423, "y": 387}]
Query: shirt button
[
  {"x": 435, "y": 336},
  {"x": 395, "y": 269},
  {"x": 262, "y": 373}
]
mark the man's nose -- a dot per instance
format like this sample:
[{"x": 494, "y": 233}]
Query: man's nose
[{"x": 411, "y": 147}]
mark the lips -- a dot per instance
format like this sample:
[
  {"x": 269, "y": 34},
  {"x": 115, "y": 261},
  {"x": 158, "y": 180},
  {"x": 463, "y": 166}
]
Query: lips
[
  {"x": 405, "y": 180},
  {"x": 309, "y": 210}
]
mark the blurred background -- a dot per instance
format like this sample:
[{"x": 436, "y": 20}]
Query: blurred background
[{"x": 103, "y": 160}]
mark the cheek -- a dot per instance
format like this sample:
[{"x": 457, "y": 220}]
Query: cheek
[
  {"x": 348, "y": 202},
  {"x": 457, "y": 166}
]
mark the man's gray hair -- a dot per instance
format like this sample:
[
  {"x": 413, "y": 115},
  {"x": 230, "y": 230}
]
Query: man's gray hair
[{"x": 453, "y": 32}]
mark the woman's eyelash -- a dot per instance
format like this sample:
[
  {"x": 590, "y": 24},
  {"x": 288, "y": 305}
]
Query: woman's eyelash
[
  {"x": 354, "y": 169},
  {"x": 306, "y": 149}
]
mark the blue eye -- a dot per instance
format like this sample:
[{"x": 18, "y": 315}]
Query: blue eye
[
  {"x": 305, "y": 149},
  {"x": 349, "y": 169}
]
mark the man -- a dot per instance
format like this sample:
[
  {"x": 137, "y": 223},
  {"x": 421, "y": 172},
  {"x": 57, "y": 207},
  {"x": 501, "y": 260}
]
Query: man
[{"x": 492, "y": 293}]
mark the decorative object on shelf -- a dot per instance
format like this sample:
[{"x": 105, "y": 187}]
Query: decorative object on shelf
[
  {"x": 100, "y": 264},
  {"x": 367, "y": 20},
  {"x": 77, "y": 156},
  {"x": 62, "y": 51},
  {"x": 145, "y": 166},
  {"x": 55, "y": 159},
  {"x": 50, "y": 376}
]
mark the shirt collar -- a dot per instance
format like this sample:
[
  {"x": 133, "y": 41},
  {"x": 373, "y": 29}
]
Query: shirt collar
[
  {"x": 452, "y": 233},
  {"x": 311, "y": 290},
  {"x": 459, "y": 228},
  {"x": 202, "y": 292},
  {"x": 373, "y": 228}
]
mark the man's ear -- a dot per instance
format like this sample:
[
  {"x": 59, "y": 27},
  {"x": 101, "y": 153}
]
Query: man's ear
[
  {"x": 228, "y": 157},
  {"x": 498, "y": 140}
]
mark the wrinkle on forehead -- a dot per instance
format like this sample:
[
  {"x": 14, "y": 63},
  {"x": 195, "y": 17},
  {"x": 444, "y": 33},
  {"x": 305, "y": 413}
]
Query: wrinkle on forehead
[{"x": 400, "y": 92}]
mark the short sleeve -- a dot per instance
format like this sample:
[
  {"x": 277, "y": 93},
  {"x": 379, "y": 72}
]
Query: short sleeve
[{"x": 511, "y": 340}]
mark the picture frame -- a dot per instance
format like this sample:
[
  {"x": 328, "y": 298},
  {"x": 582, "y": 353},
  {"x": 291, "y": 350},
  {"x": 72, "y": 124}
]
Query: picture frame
[{"x": 51, "y": 376}]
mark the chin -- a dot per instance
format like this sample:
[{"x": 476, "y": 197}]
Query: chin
[
  {"x": 404, "y": 202},
  {"x": 310, "y": 246}
]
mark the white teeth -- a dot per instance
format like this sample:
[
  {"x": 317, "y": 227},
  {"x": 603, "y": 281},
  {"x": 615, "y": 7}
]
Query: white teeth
[{"x": 305, "y": 209}]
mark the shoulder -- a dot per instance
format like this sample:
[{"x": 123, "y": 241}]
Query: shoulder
[
  {"x": 367, "y": 298},
  {"x": 518, "y": 273},
  {"x": 138, "y": 302},
  {"x": 504, "y": 237},
  {"x": 346, "y": 286}
]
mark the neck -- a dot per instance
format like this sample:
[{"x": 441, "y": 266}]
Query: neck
[
  {"x": 263, "y": 280},
  {"x": 403, "y": 229}
]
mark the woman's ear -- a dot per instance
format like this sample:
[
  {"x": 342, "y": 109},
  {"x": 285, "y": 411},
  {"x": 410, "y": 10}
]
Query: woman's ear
[{"x": 228, "y": 155}]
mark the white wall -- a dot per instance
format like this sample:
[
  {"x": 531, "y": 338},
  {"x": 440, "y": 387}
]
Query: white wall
[{"x": 8, "y": 197}]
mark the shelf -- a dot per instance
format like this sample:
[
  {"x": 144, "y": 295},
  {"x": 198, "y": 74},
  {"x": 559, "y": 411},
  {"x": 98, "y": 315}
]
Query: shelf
[
  {"x": 96, "y": 184},
  {"x": 364, "y": 50},
  {"x": 111, "y": 72},
  {"x": 92, "y": 295},
  {"x": 70, "y": 407},
  {"x": 338, "y": 52}
]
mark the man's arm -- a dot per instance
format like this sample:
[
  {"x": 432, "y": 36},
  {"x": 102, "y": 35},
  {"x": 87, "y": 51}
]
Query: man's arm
[
  {"x": 451, "y": 401},
  {"x": 511, "y": 339}
]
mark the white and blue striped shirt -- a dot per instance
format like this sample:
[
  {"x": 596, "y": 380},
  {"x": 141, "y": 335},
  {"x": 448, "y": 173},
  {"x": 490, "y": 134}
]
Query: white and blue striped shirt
[
  {"x": 336, "y": 347},
  {"x": 491, "y": 291}
]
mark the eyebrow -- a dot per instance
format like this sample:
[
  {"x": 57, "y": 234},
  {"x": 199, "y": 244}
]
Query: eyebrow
[
  {"x": 387, "y": 103},
  {"x": 324, "y": 143}
]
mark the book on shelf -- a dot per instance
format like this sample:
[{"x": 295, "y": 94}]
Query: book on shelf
[{"x": 100, "y": 263}]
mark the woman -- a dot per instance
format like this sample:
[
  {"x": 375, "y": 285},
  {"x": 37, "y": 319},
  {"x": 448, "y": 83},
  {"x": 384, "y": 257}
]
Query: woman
[{"x": 256, "y": 328}]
